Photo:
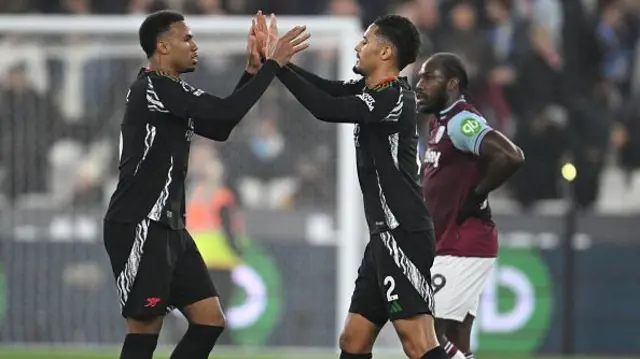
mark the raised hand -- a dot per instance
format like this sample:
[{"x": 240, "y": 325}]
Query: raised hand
[
  {"x": 282, "y": 49},
  {"x": 253, "y": 52},
  {"x": 262, "y": 33}
]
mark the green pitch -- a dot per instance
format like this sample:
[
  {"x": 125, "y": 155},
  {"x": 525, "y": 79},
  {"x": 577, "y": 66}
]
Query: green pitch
[{"x": 113, "y": 355}]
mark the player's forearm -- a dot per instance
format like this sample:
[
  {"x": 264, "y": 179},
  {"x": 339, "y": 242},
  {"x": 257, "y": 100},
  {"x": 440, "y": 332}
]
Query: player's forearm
[
  {"x": 334, "y": 88},
  {"x": 216, "y": 118},
  {"x": 498, "y": 170},
  {"x": 321, "y": 105}
]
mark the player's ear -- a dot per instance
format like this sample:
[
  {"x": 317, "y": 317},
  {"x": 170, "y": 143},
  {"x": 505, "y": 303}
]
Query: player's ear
[
  {"x": 386, "y": 53},
  {"x": 162, "y": 46},
  {"x": 452, "y": 84}
]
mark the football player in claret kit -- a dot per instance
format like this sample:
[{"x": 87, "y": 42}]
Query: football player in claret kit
[{"x": 465, "y": 160}]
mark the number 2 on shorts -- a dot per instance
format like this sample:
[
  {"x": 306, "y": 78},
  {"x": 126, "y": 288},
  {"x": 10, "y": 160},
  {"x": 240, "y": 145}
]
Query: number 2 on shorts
[{"x": 389, "y": 281}]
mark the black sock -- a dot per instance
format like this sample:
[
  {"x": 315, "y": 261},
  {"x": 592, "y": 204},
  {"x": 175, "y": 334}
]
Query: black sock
[
  {"x": 197, "y": 342},
  {"x": 139, "y": 346},
  {"x": 345, "y": 355},
  {"x": 436, "y": 353}
]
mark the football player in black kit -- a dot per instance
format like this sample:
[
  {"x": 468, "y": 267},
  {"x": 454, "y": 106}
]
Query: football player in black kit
[
  {"x": 154, "y": 259},
  {"x": 394, "y": 278}
]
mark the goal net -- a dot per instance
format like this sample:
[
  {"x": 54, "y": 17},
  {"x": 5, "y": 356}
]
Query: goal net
[{"x": 284, "y": 260}]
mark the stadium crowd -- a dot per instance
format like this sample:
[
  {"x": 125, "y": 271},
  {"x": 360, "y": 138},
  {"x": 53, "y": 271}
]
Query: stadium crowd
[{"x": 561, "y": 77}]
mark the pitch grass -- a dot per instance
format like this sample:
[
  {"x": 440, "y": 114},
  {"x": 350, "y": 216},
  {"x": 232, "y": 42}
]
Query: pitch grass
[{"x": 24, "y": 354}]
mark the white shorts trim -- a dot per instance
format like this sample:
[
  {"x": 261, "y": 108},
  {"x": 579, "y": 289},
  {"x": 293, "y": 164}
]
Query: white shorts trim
[{"x": 458, "y": 283}]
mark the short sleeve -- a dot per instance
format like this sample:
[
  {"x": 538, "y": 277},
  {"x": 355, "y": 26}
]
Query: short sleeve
[{"x": 466, "y": 131}]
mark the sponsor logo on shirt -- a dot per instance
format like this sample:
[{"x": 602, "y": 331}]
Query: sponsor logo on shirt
[
  {"x": 470, "y": 126},
  {"x": 432, "y": 157},
  {"x": 367, "y": 99}
]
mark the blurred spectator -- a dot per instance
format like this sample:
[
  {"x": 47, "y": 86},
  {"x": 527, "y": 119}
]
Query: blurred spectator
[
  {"x": 29, "y": 124},
  {"x": 213, "y": 215},
  {"x": 509, "y": 40},
  {"x": 214, "y": 219},
  {"x": 542, "y": 126},
  {"x": 586, "y": 97},
  {"x": 200, "y": 7},
  {"x": 314, "y": 186},
  {"x": 616, "y": 43},
  {"x": 539, "y": 82},
  {"x": 465, "y": 40},
  {"x": 266, "y": 167},
  {"x": 425, "y": 14},
  {"x": 17, "y": 6},
  {"x": 343, "y": 8},
  {"x": 76, "y": 7},
  {"x": 145, "y": 6}
]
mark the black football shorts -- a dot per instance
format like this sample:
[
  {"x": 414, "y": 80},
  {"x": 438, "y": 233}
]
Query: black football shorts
[
  {"x": 156, "y": 268},
  {"x": 394, "y": 280}
]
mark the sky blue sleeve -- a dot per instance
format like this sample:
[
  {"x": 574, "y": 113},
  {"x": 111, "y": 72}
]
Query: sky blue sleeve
[{"x": 466, "y": 131}]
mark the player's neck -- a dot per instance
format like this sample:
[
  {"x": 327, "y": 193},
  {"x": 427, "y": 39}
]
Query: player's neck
[
  {"x": 157, "y": 65},
  {"x": 452, "y": 100},
  {"x": 379, "y": 77}
]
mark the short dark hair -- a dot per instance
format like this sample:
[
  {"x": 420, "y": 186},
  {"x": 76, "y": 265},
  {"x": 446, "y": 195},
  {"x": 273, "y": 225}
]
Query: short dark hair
[
  {"x": 155, "y": 25},
  {"x": 404, "y": 36},
  {"x": 453, "y": 68}
]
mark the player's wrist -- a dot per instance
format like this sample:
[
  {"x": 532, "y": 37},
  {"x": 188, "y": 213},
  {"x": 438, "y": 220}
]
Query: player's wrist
[
  {"x": 252, "y": 69},
  {"x": 272, "y": 65},
  {"x": 280, "y": 62}
]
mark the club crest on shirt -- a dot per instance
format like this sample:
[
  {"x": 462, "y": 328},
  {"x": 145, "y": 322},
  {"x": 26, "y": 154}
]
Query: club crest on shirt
[{"x": 439, "y": 134}]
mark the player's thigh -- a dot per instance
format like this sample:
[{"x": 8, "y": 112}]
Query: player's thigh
[
  {"x": 367, "y": 311},
  {"x": 402, "y": 265},
  {"x": 458, "y": 283},
  {"x": 192, "y": 290},
  {"x": 142, "y": 264},
  {"x": 478, "y": 274}
]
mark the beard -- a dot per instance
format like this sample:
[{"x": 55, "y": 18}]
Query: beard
[
  {"x": 358, "y": 71},
  {"x": 435, "y": 106}
]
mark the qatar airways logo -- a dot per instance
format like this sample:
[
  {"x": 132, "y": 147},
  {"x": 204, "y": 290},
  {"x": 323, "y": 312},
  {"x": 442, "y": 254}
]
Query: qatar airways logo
[{"x": 432, "y": 157}]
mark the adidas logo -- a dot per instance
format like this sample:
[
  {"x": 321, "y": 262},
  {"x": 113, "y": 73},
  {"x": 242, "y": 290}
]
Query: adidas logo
[{"x": 395, "y": 307}]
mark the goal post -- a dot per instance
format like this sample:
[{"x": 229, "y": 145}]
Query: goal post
[{"x": 342, "y": 33}]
